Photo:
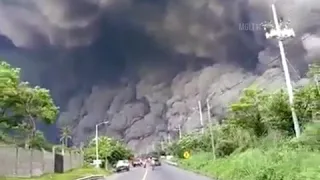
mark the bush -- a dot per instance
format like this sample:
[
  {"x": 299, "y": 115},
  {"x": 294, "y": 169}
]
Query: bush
[
  {"x": 258, "y": 140},
  {"x": 259, "y": 164},
  {"x": 227, "y": 139},
  {"x": 310, "y": 139},
  {"x": 274, "y": 157},
  {"x": 109, "y": 149}
]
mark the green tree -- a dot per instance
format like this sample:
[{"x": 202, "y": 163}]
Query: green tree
[
  {"x": 109, "y": 149},
  {"x": 259, "y": 119},
  {"x": 36, "y": 104},
  {"x": 314, "y": 74},
  {"x": 276, "y": 112},
  {"x": 246, "y": 113},
  {"x": 65, "y": 135},
  {"x": 314, "y": 71},
  {"x": 39, "y": 141},
  {"x": 260, "y": 112},
  {"x": 9, "y": 82},
  {"x": 20, "y": 102},
  {"x": 308, "y": 102}
]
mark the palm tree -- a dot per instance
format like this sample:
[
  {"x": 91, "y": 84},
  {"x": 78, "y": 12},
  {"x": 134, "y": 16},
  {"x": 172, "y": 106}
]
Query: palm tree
[{"x": 65, "y": 136}]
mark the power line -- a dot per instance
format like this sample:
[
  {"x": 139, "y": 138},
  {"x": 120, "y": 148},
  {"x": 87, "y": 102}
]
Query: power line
[
  {"x": 294, "y": 69},
  {"x": 276, "y": 58}
]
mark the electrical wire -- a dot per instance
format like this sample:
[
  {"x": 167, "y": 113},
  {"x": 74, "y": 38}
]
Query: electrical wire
[
  {"x": 294, "y": 69},
  {"x": 276, "y": 58}
]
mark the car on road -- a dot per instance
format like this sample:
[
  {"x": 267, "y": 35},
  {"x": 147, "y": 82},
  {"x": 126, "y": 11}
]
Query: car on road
[
  {"x": 122, "y": 165},
  {"x": 136, "y": 162},
  {"x": 156, "y": 161}
]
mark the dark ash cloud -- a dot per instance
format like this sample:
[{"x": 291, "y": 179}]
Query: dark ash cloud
[{"x": 119, "y": 59}]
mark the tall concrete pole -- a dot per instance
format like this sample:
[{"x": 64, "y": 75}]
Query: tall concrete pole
[
  {"x": 180, "y": 133},
  {"x": 281, "y": 34},
  {"x": 98, "y": 162},
  {"x": 169, "y": 138},
  {"x": 162, "y": 148},
  {"x": 211, "y": 130},
  {"x": 201, "y": 117}
]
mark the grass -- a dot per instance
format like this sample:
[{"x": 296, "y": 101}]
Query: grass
[
  {"x": 277, "y": 163},
  {"x": 273, "y": 157},
  {"x": 70, "y": 175}
]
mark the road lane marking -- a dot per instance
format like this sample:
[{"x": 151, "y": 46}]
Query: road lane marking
[{"x": 145, "y": 174}]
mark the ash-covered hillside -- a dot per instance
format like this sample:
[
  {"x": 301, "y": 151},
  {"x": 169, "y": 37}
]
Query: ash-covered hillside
[{"x": 143, "y": 65}]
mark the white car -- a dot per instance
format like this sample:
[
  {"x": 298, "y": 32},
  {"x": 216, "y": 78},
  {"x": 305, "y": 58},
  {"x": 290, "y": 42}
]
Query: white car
[{"x": 123, "y": 165}]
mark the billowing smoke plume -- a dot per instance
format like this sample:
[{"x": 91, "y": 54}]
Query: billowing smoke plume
[{"x": 143, "y": 65}]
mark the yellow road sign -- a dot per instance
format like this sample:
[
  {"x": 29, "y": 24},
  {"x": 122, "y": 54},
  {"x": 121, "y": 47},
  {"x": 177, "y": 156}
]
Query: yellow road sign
[{"x": 186, "y": 155}]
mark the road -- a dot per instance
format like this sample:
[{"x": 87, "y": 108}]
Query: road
[{"x": 164, "y": 172}]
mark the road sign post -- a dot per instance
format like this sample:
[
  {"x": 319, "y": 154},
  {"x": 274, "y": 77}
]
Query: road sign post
[{"x": 186, "y": 155}]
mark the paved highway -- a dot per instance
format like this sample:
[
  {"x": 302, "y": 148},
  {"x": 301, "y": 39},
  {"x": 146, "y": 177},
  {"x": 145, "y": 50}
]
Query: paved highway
[{"x": 164, "y": 172}]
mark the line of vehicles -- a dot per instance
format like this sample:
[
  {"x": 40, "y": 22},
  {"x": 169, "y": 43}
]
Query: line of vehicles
[{"x": 124, "y": 165}]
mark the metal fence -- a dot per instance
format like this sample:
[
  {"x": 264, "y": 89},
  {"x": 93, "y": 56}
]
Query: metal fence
[{"x": 20, "y": 162}]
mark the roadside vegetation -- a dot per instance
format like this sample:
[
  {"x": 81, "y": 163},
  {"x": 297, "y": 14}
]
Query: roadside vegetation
[
  {"x": 110, "y": 151},
  {"x": 257, "y": 141},
  {"x": 70, "y": 175},
  {"x": 21, "y": 106}
]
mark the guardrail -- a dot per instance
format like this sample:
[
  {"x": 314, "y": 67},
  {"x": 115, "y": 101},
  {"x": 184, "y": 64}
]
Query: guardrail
[
  {"x": 171, "y": 163},
  {"x": 93, "y": 177}
]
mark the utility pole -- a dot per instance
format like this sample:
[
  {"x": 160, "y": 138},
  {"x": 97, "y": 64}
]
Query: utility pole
[
  {"x": 282, "y": 32},
  {"x": 211, "y": 130},
  {"x": 179, "y": 128},
  {"x": 199, "y": 110},
  {"x": 97, "y": 162},
  {"x": 211, "y": 124},
  {"x": 317, "y": 79},
  {"x": 180, "y": 133},
  {"x": 81, "y": 146},
  {"x": 315, "y": 71},
  {"x": 153, "y": 147},
  {"x": 201, "y": 117},
  {"x": 161, "y": 143}
]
